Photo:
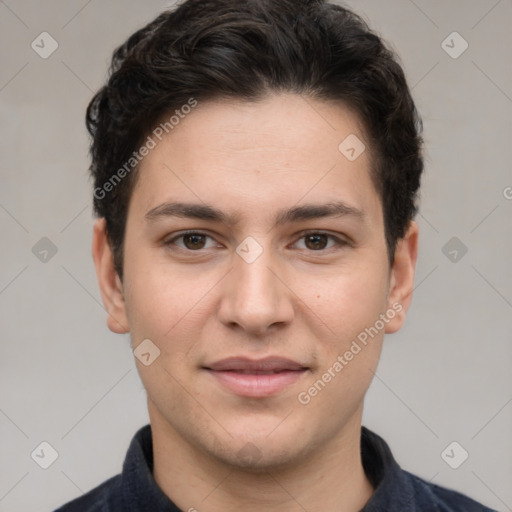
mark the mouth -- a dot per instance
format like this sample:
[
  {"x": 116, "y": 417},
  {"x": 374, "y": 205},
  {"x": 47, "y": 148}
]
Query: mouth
[{"x": 256, "y": 378}]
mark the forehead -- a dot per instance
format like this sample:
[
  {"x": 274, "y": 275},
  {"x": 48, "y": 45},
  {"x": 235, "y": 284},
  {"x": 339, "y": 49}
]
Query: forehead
[{"x": 262, "y": 155}]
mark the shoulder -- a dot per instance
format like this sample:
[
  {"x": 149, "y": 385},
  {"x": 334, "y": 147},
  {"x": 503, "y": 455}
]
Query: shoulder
[
  {"x": 103, "y": 498},
  {"x": 446, "y": 500}
]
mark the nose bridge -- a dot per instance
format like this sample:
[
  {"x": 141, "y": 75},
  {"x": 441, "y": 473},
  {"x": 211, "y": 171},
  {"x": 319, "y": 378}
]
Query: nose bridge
[
  {"x": 254, "y": 278},
  {"x": 255, "y": 298}
]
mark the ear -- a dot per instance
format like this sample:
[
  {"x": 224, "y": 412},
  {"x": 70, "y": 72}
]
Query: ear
[
  {"x": 108, "y": 280},
  {"x": 402, "y": 277}
]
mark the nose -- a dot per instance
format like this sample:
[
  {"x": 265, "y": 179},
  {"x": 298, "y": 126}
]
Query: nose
[{"x": 255, "y": 298}]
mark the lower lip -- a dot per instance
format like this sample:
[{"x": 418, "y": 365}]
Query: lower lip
[{"x": 256, "y": 385}]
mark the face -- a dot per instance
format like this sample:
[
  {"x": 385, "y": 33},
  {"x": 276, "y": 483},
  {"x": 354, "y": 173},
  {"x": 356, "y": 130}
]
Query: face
[{"x": 255, "y": 260}]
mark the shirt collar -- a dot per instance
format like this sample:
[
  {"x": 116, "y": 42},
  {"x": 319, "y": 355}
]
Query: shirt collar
[
  {"x": 392, "y": 488},
  {"x": 139, "y": 488}
]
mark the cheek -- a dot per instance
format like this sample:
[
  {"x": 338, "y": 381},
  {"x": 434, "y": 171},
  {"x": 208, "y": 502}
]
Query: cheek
[
  {"x": 348, "y": 351},
  {"x": 170, "y": 309},
  {"x": 349, "y": 300},
  {"x": 156, "y": 295}
]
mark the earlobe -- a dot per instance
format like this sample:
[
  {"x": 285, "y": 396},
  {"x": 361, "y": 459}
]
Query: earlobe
[
  {"x": 110, "y": 284},
  {"x": 402, "y": 277}
]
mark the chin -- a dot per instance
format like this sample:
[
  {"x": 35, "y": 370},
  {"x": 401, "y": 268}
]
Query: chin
[
  {"x": 258, "y": 452},
  {"x": 253, "y": 460}
]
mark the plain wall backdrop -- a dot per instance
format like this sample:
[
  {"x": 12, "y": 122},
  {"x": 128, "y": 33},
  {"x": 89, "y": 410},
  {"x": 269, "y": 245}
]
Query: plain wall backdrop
[{"x": 65, "y": 379}]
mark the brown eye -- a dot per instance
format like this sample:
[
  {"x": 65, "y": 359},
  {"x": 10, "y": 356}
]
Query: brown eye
[
  {"x": 193, "y": 241},
  {"x": 316, "y": 241}
]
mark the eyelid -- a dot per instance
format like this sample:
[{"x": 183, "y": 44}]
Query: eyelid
[
  {"x": 181, "y": 234},
  {"x": 339, "y": 240}
]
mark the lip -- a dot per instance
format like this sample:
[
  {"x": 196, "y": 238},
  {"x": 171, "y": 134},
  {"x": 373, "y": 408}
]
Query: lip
[{"x": 256, "y": 378}]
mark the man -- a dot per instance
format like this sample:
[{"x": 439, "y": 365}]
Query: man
[{"x": 256, "y": 167}]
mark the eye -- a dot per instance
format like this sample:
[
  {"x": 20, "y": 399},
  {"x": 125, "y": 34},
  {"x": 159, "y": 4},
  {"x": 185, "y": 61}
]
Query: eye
[
  {"x": 191, "y": 241},
  {"x": 318, "y": 241},
  {"x": 195, "y": 241}
]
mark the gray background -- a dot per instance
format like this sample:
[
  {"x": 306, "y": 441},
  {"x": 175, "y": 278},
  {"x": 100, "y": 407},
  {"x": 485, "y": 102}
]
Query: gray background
[{"x": 67, "y": 380}]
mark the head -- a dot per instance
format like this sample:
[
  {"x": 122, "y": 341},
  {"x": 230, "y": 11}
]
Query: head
[
  {"x": 247, "y": 50},
  {"x": 241, "y": 108}
]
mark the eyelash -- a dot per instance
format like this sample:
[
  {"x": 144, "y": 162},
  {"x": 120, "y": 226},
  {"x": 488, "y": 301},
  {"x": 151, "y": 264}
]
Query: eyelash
[{"x": 339, "y": 241}]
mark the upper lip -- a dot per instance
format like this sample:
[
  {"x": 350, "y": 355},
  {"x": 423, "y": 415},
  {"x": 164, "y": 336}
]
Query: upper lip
[{"x": 267, "y": 364}]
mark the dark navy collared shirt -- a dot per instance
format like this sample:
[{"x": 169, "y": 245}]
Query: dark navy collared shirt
[{"x": 395, "y": 490}]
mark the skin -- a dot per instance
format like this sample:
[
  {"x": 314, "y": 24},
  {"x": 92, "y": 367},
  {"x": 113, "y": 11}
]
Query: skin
[{"x": 199, "y": 302}]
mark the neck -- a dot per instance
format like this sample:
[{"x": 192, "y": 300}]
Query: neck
[{"x": 331, "y": 479}]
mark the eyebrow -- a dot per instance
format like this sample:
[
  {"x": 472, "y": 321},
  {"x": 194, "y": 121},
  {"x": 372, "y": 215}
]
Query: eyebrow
[{"x": 294, "y": 214}]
